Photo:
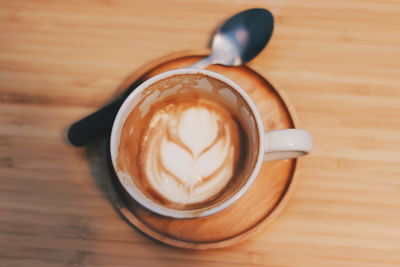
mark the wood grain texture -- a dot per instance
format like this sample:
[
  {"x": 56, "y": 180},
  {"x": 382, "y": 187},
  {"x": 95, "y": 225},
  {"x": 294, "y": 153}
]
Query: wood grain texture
[{"x": 337, "y": 61}]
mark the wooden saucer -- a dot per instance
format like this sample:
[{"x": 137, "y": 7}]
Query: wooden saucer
[{"x": 259, "y": 206}]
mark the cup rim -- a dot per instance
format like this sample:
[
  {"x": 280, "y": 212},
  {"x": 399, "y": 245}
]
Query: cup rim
[{"x": 130, "y": 186}]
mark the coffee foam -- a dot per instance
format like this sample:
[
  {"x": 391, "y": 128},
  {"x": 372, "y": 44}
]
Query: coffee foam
[
  {"x": 184, "y": 145},
  {"x": 189, "y": 149}
]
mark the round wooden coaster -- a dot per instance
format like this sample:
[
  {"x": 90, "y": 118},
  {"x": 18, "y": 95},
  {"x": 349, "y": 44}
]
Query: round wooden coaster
[{"x": 250, "y": 213}]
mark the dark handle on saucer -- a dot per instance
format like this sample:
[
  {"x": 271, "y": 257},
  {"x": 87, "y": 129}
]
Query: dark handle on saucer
[
  {"x": 85, "y": 130},
  {"x": 99, "y": 122}
]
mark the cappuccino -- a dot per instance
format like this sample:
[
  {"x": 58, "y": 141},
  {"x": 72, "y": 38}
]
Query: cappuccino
[
  {"x": 184, "y": 144},
  {"x": 188, "y": 143}
]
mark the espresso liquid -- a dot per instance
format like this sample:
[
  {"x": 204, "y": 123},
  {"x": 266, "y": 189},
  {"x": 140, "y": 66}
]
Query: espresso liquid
[{"x": 187, "y": 148}]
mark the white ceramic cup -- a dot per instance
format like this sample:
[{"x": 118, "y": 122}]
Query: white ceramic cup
[{"x": 273, "y": 145}]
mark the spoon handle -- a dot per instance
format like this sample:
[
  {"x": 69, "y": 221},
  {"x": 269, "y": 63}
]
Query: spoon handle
[
  {"x": 204, "y": 63},
  {"x": 99, "y": 122}
]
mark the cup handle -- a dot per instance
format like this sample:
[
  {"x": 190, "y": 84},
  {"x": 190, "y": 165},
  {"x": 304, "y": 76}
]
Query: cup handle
[{"x": 286, "y": 144}]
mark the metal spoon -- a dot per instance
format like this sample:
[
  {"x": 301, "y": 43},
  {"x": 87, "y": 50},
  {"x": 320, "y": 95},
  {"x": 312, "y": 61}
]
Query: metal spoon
[
  {"x": 240, "y": 38},
  {"x": 237, "y": 41}
]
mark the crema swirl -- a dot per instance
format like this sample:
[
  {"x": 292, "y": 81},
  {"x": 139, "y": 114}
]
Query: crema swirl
[
  {"x": 185, "y": 144},
  {"x": 189, "y": 149}
]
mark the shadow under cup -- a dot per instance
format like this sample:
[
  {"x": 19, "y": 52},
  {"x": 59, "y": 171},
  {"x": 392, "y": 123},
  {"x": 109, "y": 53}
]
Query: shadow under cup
[{"x": 128, "y": 137}]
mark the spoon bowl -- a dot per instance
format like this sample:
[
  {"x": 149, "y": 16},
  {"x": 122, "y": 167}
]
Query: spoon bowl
[{"x": 240, "y": 38}]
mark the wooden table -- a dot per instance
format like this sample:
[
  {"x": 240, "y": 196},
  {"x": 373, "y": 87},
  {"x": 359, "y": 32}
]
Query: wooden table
[{"x": 337, "y": 61}]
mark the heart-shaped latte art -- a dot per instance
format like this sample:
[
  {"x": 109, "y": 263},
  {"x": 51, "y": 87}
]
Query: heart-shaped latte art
[{"x": 190, "y": 151}]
